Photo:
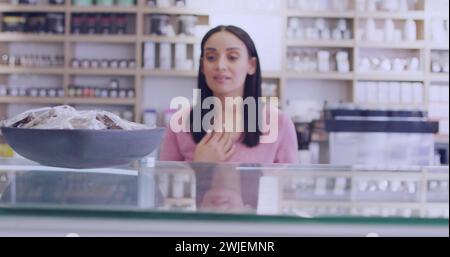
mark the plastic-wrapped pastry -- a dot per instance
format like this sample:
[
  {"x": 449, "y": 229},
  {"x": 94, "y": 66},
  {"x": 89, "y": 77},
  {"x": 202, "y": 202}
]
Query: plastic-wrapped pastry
[{"x": 66, "y": 117}]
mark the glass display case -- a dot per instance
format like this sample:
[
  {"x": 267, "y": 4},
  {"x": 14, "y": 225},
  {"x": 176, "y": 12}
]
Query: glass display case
[{"x": 193, "y": 199}]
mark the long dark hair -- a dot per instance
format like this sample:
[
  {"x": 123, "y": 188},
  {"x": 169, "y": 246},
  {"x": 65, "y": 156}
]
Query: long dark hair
[{"x": 252, "y": 87}]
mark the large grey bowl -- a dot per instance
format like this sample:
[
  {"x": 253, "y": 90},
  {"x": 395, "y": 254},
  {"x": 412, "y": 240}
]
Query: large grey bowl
[{"x": 83, "y": 149}]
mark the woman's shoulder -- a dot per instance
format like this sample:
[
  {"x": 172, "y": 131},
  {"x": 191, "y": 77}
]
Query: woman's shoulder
[
  {"x": 283, "y": 118},
  {"x": 276, "y": 126}
]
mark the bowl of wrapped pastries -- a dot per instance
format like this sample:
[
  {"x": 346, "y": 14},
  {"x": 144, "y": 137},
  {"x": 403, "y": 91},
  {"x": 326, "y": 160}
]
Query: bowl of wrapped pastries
[{"x": 64, "y": 137}]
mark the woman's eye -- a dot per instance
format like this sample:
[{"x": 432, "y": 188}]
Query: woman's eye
[
  {"x": 233, "y": 58},
  {"x": 210, "y": 58}
]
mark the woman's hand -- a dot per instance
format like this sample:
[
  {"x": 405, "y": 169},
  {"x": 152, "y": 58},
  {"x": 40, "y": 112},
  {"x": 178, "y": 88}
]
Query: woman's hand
[{"x": 214, "y": 147}]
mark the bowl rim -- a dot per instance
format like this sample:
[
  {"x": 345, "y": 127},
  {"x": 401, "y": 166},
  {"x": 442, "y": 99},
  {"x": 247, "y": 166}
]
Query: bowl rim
[{"x": 84, "y": 130}]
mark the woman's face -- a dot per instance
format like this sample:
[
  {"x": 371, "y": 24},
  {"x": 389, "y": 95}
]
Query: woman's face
[
  {"x": 222, "y": 199},
  {"x": 226, "y": 64}
]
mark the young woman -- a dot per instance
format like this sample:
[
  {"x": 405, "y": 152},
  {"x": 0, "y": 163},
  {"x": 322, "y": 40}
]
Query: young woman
[{"x": 229, "y": 68}]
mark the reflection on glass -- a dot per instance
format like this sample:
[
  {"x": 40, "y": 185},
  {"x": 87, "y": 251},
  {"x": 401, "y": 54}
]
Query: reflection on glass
[{"x": 280, "y": 190}]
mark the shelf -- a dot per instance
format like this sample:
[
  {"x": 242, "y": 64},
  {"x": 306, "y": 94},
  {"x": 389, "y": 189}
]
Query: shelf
[
  {"x": 415, "y": 15},
  {"x": 440, "y": 46},
  {"x": 322, "y": 76},
  {"x": 112, "y": 72},
  {"x": 24, "y": 37},
  {"x": 319, "y": 43},
  {"x": 101, "y": 101},
  {"x": 174, "y": 11},
  {"x": 391, "y": 45},
  {"x": 271, "y": 74},
  {"x": 439, "y": 15},
  {"x": 325, "y": 14},
  {"x": 31, "y": 8},
  {"x": 391, "y": 106},
  {"x": 104, "y": 38},
  {"x": 105, "y": 9},
  {"x": 31, "y": 100},
  {"x": 169, "y": 73},
  {"x": 176, "y": 39},
  {"x": 388, "y": 76},
  {"x": 438, "y": 77},
  {"x": 30, "y": 70}
]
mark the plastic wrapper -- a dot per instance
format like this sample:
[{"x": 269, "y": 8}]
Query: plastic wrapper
[{"x": 66, "y": 117}]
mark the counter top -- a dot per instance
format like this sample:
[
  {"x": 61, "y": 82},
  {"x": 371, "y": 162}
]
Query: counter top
[{"x": 193, "y": 198}]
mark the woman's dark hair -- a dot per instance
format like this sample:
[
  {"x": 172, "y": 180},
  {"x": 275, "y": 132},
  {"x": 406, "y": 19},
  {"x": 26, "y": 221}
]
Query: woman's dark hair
[{"x": 252, "y": 87}]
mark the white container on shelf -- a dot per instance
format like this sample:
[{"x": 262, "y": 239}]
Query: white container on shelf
[
  {"x": 371, "y": 30},
  {"x": 149, "y": 55},
  {"x": 361, "y": 92},
  {"x": 403, "y": 6},
  {"x": 372, "y": 92},
  {"x": 361, "y": 5},
  {"x": 383, "y": 92},
  {"x": 343, "y": 64},
  {"x": 414, "y": 64},
  {"x": 394, "y": 92},
  {"x": 164, "y": 3},
  {"x": 323, "y": 58},
  {"x": 371, "y": 5},
  {"x": 406, "y": 93},
  {"x": 418, "y": 96},
  {"x": 150, "y": 117},
  {"x": 165, "y": 56},
  {"x": 389, "y": 30},
  {"x": 390, "y": 5},
  {"x": 410, "y": 30}
]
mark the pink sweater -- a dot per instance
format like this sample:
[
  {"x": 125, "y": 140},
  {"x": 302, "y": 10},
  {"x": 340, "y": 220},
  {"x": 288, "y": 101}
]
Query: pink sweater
[{"x": 181, "y": 147}]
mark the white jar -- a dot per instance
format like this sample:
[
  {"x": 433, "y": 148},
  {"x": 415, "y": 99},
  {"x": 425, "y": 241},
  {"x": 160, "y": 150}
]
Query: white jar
[
  {"x": 164, "y": 3},
  {"x": 389, "y": 30},
  {"x": 361, "y": 5},
  {"x": 371, "y": 29},
  {"x": 386, "y": 65},
  {"x": 165, "y": 56},
  {"x": 414, "y": 64},
  {"x": 410, "y": 30},
  {"x": 150, "y": 117},
  {"x": 323, "y": 58}
]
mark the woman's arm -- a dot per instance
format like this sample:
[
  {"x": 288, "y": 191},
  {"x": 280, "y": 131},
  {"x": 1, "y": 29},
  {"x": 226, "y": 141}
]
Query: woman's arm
[
  {"x": 170, "y": 150},
  {"x": 288, "y": 145}
]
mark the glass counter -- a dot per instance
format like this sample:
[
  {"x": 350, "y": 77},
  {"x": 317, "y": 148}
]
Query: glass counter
[{"x": 193, "y": 199}]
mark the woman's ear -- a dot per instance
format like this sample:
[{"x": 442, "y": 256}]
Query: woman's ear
[{"x": 252, "y": 65}]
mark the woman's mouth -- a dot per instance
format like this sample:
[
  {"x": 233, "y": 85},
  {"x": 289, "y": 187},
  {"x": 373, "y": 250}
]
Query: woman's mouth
[{"x": 221, "y": 79}]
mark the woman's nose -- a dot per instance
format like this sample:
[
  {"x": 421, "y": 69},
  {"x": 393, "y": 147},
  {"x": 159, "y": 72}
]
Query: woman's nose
[{"x": 221, "y": 63}]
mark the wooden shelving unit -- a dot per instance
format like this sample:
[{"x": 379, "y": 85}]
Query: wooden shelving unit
[
  {"x": 103, "y": 9},
  {"x": 31, "y": 8},
  {"x": 423, "y": 46},
  {"x": 100, "y": 101},
  {"x": 320, "y": 76},
  {"x": 324, "y": 14},
  {"x": 141, "y": 11},
  {"x": 103, "y": 72},
  {"x": 415, "y": 15},
  {"x": 31, "y": 100},
  {"x": 29, "y": 37},
  {"x": 31, "y": 70},
  {"x": 176, "y": 39}
]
